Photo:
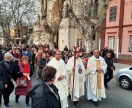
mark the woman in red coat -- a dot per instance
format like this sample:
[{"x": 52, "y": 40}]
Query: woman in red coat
[{"x": 25, "y": 72}]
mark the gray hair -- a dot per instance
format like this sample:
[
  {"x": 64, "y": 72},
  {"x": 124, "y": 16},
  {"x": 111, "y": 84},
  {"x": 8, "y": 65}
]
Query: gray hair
[{"x": 8, "y": 55}]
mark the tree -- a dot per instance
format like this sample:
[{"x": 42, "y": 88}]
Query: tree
[
  {"x": 15, "y": 13},
  {"x": 50, "y": 26},
  {"x": 87, "y": 10},
  {"x": 84, "y": 22}
]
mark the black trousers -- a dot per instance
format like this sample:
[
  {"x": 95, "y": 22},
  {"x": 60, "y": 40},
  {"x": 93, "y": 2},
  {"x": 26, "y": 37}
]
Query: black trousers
[
  {"x": 26, "y": 99},
  {"x": 107, "y": 77},
  {"x": 7, "y": 93}
]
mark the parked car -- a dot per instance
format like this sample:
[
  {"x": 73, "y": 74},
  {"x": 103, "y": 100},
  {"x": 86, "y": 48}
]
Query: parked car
[{"x": 124, "y": 77}]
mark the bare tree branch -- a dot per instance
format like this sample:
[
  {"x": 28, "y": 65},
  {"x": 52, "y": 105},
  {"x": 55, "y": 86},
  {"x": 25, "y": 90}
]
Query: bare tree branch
[{"x": 14, "y": 11}]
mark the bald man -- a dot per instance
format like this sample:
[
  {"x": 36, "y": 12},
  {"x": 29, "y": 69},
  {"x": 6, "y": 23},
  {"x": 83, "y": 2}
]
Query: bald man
[{"x": 95, "y": 78}]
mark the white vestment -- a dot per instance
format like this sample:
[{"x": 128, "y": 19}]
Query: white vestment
[
  {"x": 93, "y": 93},
  {"x": 79, "y": 78},
  {"x": 59, "y": 65}
]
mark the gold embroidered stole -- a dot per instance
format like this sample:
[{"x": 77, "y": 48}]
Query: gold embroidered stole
[{"x": 99, "y": 75}]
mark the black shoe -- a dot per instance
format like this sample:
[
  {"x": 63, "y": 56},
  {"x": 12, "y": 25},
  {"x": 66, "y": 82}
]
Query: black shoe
[
  {"x": 69, "y": 96},
  {"x": 107, "y": 87},
  {"x": 76, "y": 104},
  {"x": 96, "y": 104}
]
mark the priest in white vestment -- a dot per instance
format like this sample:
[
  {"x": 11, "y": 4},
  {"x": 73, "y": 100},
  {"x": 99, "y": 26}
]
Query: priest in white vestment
[
  {"x": 79, "y": 79},
  {"x": 96, "y": 69},
  {"x": 60, "y": 80}
]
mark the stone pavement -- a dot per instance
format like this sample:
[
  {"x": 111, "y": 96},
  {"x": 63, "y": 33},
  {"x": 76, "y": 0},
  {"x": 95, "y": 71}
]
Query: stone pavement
[{"x": 116, "y": 97}]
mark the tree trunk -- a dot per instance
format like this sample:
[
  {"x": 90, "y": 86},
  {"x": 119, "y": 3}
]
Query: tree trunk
[
  {"x": 51, "y": 41},
  {"x": 21, "y": 34},
  {"x": 89, "y": 44}
]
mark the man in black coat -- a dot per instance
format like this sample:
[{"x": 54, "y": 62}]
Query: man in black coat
[
  {"x": 110, "y": 67},
  {"x": 45, "y": 94}
]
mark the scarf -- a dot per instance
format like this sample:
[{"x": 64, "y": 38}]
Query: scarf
[
  {"x": 6, "y": 64},
  {"x": 26, "y": 68}
]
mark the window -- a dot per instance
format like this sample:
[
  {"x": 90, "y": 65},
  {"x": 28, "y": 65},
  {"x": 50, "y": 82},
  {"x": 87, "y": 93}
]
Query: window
[
  {"x": 130, "y": 47},
  {"x": 94, "y": 9},
  {"x": 79, "y": 42},
  {"x": 113, "y": 11},
  {"x": 111, "y": 42},
  {"x": 131, "y": 42},
  {"x": 94, "y": 37},
  {"x": 30, "y": 30}
]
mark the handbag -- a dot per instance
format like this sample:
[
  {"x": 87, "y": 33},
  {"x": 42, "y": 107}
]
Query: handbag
[{"x": 21, "y": 82}]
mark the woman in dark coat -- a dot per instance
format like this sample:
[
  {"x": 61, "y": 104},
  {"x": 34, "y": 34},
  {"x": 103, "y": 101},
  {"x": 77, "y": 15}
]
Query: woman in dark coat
[
  {"x": 45, "y": 94},
  {"x": 34, "y": 52},
  {"x": 42, "y": 63},
  {"x": 10, "y": 70},
  {"x": 25, "y": 72}
]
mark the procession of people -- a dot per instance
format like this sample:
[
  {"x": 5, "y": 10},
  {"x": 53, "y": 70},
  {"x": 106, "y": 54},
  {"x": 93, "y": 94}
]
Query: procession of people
[{"x": 60, "y": 74}]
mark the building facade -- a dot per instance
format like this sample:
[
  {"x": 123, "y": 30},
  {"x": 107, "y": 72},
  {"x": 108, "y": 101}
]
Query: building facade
[
  {"x": 117, "y": 30},
  {"x": 68, "y": 33},
  {"x": 25, "y": 30}
]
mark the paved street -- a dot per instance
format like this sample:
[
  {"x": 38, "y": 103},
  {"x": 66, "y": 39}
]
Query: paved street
[{"x": 116, "y": 97}]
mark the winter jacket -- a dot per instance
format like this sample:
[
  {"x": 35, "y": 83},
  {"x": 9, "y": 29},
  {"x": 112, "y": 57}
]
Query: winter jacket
[
  {"x": 10, "y": 71},
  {"x": 2, "y": 75},
  {"x": 16, "y": 55},
  {"x": 109, "y": 63},
  {"x": 41, "y": 65},
  {"x": 1, "y": 56},
  {"x": 43, "y": 97}
]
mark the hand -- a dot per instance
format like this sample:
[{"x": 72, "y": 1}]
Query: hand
[
  {"x": 61, "y": 77},
  {"x": 99, "y": 70},
  {"x": 12, "y": 80},
  {"x": 26, "y": 74},
  {"x": 6, "y": 85},
  {"x": 111, "y": 68},
  {"x": 73, "y": 69}
]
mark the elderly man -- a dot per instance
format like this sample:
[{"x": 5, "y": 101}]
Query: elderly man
[
  {"x": 95, "y": 78},
  {"x": 79, "y": 72},
  {"x": 60, "y": 80}
]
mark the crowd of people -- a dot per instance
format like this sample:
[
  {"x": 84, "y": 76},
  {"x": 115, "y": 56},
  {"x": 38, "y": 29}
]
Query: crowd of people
[{"x": 55, "y": 71}]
